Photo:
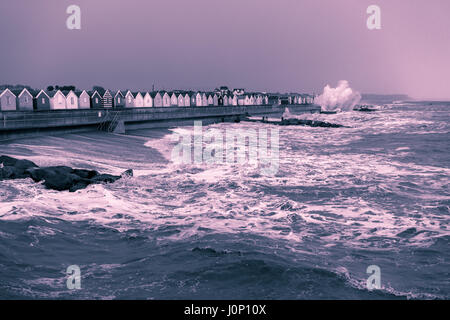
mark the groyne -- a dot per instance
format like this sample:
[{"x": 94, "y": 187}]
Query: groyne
[{"x": 18, "y": 124}]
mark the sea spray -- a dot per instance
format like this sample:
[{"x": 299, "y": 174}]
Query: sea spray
[{"x": 341, "y": 98}]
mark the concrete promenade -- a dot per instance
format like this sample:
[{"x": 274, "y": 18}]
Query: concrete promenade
[{"x": 16, "y": 124}]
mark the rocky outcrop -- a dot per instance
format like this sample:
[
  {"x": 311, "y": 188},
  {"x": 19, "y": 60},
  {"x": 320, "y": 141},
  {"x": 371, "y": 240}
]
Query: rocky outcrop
[
  {"x": 311, "y": 123},
  {"x": 57, "y": 178}
]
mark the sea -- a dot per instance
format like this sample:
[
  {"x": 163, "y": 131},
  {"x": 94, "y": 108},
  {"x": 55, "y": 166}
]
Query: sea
[{"x": 375, "y": 192}]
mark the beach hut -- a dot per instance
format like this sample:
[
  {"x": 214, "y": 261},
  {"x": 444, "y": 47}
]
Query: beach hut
[
  {"x": 273, "y": 100},
  {"x": 138, "y": 100},
  {"x": 83, "y": 99},
  {"x": 259, "y": 99},
  {"x": 119, "y": 100},
  {"x": 180, "y": 98},
  {"x": 107, "y": 99},
  {"x": 96, "y": 100},
  {"x": 204, "y": 100},
  {"x": 157, "y": 99},
  {"x": 233, "y": 100},
  {"x": 248, "y": 100},
  {"x": 41, "y": 101},
  {"x": 71, "y": 99},
  {"x": 241, "y": 100},
  {"x": 210, "y": 101},
  {"x": 196, "y": 99},
  {"x": 187, "y": 100},
  {"x": 24, "y": 99},
  {"x": 166, "y": 101},
  {"x": 173, "y": 99},
  {"x": 8, "y": 100},
  {"x": 225, "y": 100},
  {"x": 129, "y": 100},
  {"x": 148, "y": 100},
  {"x": 215, "y": 100},
  {"x": 57, "y": 100}
]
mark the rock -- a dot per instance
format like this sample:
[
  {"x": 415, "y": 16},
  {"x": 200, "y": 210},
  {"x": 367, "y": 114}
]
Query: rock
[
  {"x": 7, "y": 161},
  {"x": 39, "y": 174},
  {"x": 36, "y": 174},
  {"x": 61, "y": 182},
  {"x": 127, "y": 173},
  {"x": 6, "y": 173},
  {"x": 79, "y": 185},
  {"x": 311, "y": 123},
  {"x": 12, "y": 168},
  {"x": 58, "y": 177},
  {"x": 25, "y": 164},
  {"x": 105, "y": 178},
  {"x": 86, "y": 174}
]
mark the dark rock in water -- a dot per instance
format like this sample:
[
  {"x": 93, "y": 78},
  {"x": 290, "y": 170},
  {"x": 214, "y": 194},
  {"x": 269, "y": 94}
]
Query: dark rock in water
[
  {"x": 12, "y": 168},
  {"x": 61, "y": 182},
  {"x": 86, "y": 174},
  {"x": 79, "y": 185},
  {"x": 127, "y": 173},
  {"x": 105, "y": 178},
  {"x": 328, "y": 112},
  {"x": 7, "y": 161},
  {"x": 58, "y": 177},
  {"x": 311, "y": 123}
]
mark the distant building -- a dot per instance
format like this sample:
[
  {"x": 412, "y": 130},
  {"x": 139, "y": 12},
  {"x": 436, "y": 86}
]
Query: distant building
[
  {"x": 180, "y": 99},
  {"x": 148, "y": 100},
  {"x": 215, "y": 100},
  {"x": 225, "y": 100},
  {"x": 83, "y": 99},
  {"x": 187, "y": 100},
  {"x": 107, "y": 99},
  {"x": 157, "y": 99},
  {"x": 241, "y": 100},
  {"x": 129, "y": 99},
  {"x": 24, "y": 99},
  {"x": 138, "y": 100},
  {"x": 233, "y": 100},
  {"x": 173, "y": 99},
  {"x": 57, "y": 100},
  {"x": 71, "y": 99},
  {"x": 119, "y": 100},
  {"x": 41, "y": 101},
  {"x": 166, "y": 101},
  {"x": 210, "y": 99},
  {"x": 273, "y": 100},
  {"x": 7, "y": 101},
  {"x": 96, "y": 100},
  {"x": 196, "y": 99}
]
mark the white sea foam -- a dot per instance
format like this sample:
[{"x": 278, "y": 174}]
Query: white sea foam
[{"x": 312, "y": 191}]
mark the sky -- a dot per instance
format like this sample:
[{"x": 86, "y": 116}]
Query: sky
[{"x": 264, "y": 45}]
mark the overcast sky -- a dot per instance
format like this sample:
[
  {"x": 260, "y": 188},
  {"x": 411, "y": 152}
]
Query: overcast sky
[{"x": 275, "y": 45}]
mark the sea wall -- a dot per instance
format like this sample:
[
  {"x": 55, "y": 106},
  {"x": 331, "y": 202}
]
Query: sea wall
[{"x": 18, "y": 124}]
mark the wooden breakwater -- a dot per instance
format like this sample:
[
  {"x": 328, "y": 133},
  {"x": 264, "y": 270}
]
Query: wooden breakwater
[{"x": 17, "y": 124}]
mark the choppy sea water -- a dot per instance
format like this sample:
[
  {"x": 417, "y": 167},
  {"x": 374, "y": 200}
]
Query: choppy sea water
[{"x": 374, "y": 193}]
